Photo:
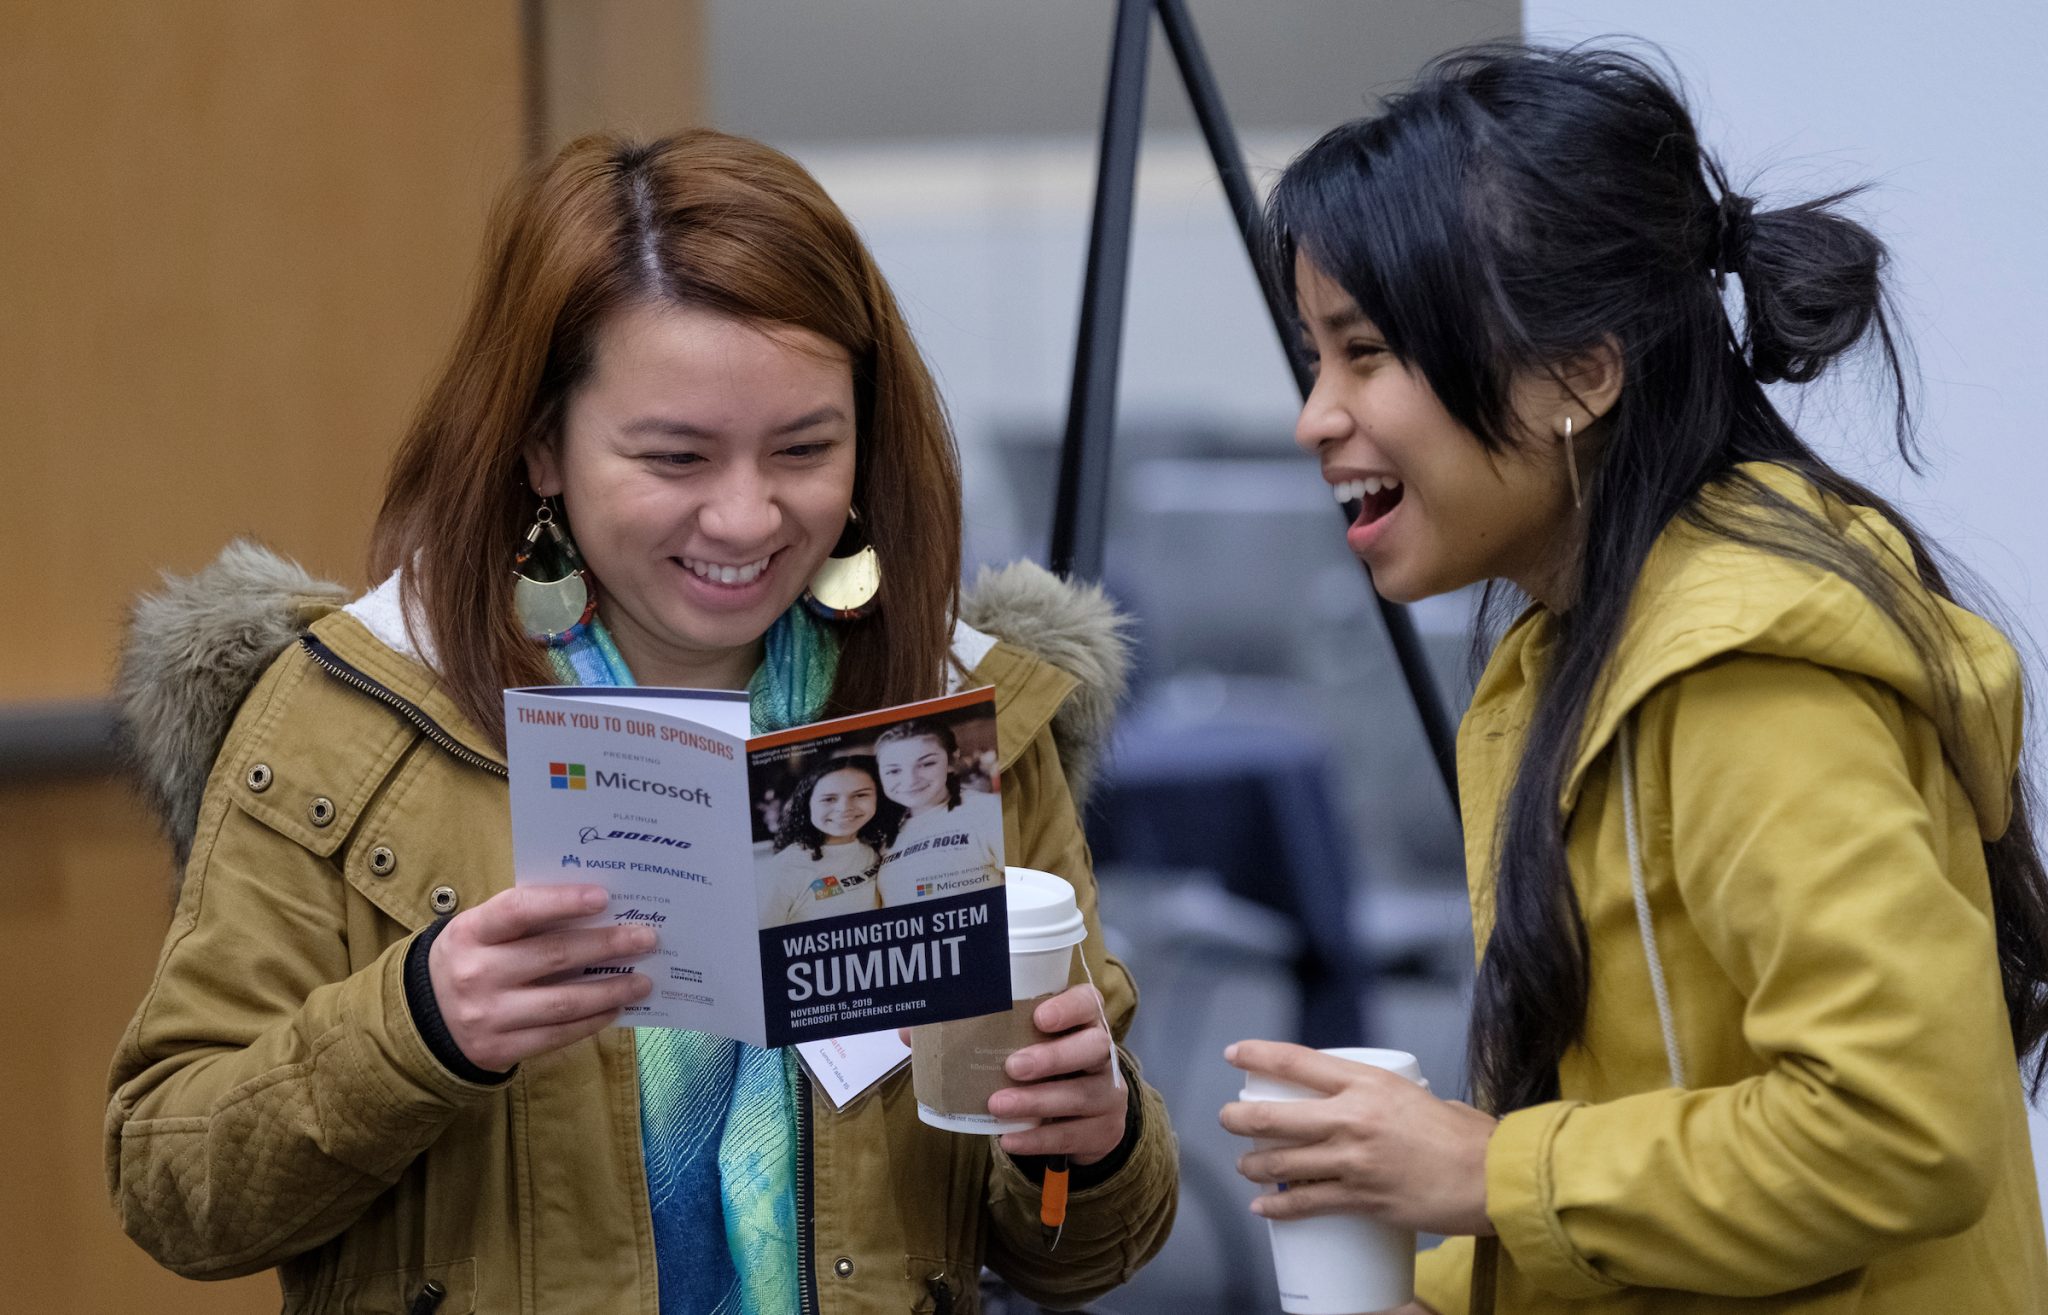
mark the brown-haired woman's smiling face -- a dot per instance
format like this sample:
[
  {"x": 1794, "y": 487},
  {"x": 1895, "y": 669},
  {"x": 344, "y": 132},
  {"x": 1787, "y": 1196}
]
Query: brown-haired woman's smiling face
[{"x": 706, "y": 467}]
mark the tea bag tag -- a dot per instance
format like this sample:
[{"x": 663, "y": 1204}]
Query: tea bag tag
[{"x": 1116, "y": 1069}]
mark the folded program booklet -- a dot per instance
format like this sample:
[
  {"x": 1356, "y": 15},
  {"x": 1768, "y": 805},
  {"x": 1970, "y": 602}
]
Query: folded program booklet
[{"x": 840, "y": 878}]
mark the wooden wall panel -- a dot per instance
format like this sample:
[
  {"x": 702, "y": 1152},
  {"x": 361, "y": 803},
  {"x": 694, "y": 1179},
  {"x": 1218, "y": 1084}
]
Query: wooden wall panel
[
  {"x": 84, "y": 898},
  {"x": 234, "y": 240}
]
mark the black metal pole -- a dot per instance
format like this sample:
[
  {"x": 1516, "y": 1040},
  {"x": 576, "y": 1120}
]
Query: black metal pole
[
  {"x": 1200, "y": 82},
  {"x": 1207, "y": 100},
  {"x": 1083, "y": 501}
]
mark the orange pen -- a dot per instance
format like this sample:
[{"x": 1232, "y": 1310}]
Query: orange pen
[{"x": 1052, "y": 1201}]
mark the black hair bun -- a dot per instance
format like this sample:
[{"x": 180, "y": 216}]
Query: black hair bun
[{"x": 1811, "y": 285}]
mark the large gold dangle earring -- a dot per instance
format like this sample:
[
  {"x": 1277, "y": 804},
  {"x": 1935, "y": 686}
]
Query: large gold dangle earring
[
  {"x": 552, "y": 591},
  {"x": 1571, "y": 465},
  {"x": 846, "y": 583}
]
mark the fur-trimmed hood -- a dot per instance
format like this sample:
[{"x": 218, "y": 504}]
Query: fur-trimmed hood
[{"x": 197, "y": 646}]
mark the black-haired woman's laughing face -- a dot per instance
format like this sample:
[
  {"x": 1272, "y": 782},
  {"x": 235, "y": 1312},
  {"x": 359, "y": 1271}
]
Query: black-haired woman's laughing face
[{"x": 1431, "y": 509}]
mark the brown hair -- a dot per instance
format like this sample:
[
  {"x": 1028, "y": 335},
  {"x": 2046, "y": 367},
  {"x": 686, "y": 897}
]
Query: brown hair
[{"x": 703, "y": 219}]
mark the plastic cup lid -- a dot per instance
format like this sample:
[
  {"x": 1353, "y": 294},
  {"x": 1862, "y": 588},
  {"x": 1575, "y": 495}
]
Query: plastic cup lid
[
  {"x": 1043, "y": 914},
  {"x": 1257, "y": 1086}
]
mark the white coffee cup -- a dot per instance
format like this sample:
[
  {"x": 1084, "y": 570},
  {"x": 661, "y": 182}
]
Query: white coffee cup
[
  {"x": 1338, "y": 1264},
  {"x": 1045, "y": 926}
]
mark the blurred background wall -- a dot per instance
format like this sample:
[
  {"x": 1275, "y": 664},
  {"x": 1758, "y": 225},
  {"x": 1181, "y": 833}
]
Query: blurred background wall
[{"x": 235, "y": 238}]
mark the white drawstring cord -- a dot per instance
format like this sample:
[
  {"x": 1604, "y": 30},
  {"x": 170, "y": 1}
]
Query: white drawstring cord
[{"x": 1643, "y": 921}]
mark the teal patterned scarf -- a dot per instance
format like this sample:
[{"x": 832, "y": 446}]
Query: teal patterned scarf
[{"x": 718, "y": 1118}]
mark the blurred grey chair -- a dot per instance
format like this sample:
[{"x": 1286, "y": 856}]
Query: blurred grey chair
[{"x": 1253, "y": 804}]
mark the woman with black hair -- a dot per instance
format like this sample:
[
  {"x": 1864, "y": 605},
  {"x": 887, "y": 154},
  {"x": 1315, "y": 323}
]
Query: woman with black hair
[
  {"x": 828, "y": 851},
  {"x": 1763, "y": 930}
]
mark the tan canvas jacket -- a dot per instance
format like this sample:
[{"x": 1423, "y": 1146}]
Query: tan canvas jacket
[{"x": 274, "y": 1105}]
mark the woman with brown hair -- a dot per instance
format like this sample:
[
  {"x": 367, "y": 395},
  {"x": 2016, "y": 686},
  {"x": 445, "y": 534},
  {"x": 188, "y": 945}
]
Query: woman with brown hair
[{"x": 684, "y": 439}]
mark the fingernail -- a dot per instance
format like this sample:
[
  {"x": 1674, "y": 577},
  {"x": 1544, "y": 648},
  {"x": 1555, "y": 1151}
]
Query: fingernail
[
  {"x": 644, "y": 938},
  {"x": 594, "y": 898},
  {"x": 1230, "y": 1053}
]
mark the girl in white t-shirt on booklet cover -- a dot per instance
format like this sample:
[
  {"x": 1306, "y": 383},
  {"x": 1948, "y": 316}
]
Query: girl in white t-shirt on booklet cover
[
  {"x": 828, "y": 852},
  {"x": 951, "y": 841}
]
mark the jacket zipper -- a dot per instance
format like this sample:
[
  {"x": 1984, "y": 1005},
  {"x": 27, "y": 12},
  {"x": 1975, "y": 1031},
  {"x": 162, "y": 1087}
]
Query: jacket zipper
[
  {"x": 326, "y": 659},
  {"x": 807, "y": 1278}
]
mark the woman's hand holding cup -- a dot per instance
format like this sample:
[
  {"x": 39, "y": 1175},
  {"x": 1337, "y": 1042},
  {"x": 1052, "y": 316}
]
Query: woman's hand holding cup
[
  {"x": 1066, "y": 1080},
  {"x": 1374, "y": 1144},
  {"x": 506, "y": 973}
]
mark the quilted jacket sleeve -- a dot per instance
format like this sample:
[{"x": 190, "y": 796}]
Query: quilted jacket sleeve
[
  {"x": 1858, "y": 934},
  {"x": 265, "y": 1092},
  {"x": 1114, "y": 1226}
]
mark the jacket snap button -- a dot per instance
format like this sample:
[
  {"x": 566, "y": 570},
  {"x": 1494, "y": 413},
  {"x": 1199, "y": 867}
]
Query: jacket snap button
[
  {"x": 321, "y": 810},
  {"x": 259, "y": 777},
  {"x": 382, "y": 861},
  {"x": 843, "y": 1267},
  {"x": 444, "y": 899}
]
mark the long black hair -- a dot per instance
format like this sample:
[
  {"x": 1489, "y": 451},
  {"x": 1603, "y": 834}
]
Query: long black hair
[{"x": 1521, "y": 207}]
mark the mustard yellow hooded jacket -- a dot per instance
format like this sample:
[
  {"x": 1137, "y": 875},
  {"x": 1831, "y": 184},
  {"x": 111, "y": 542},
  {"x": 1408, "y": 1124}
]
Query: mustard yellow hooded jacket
[{"x": 1852, "y": 1134}]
